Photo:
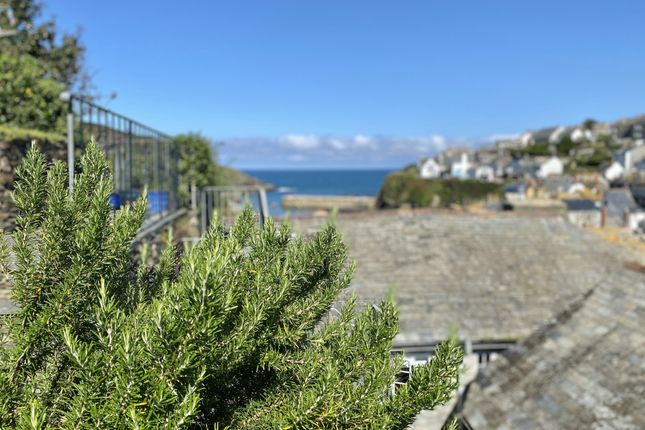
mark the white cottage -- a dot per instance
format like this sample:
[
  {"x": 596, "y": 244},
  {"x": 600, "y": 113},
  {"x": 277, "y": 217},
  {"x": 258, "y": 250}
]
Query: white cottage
[
  {"x": 629, "y": 157},
  {"x": 579, "y": 134},
  {"x": 459, "y": 169},
  {"x": 429, "y": 168},
  {"x": 485, "y": 173},
  {"x": 552, "y": 166},
  {"x": 614, "y": 172}
]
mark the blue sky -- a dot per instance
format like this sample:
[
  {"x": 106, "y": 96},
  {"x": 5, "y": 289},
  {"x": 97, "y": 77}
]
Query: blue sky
[{"x": 361, "y": 83}]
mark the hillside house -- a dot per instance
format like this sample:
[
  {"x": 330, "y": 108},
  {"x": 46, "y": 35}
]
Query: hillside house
[
  {"x": 614, "y": 172},
  {"x": 519, "y": 168},
  {"x": 633, "y": 132},
  {"x": 460, "y": 168},
  {"x": 583, "y": 212},
  {"x": 484, "y": 173},
  {"x": 622, "y": 209},
  {"x": 579, "y": 134},
  {"x": 559, "y": 133},
  {"x": 429, "y": 168},
  {"x": 550, "y": 167},
  {"x": 629, "y": 157}
]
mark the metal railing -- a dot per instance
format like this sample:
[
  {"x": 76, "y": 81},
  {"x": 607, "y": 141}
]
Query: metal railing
[
  {"x": 228, "y": 201},
  {"x": 140, "y": 156},
  {"x": 485, "y": 350}
]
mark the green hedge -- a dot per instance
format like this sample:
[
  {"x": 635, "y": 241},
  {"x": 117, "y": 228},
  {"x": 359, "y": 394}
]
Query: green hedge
[{"x": 404, "y": 188}]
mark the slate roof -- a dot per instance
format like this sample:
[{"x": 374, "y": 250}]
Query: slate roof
[
  {"x": 543, "y": 134},
  {"x": 492, "y": 277},
  {"x": 584, "y": 370},
  {"x": 558, "y": 183},
  {"x": 638, "y": 192},
  {"x": 577, "y": 205},
  {"x": 617, "y": 201},
  {"x": 630, "y": 131}
]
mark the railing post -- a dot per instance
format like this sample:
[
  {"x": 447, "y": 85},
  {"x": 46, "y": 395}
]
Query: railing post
[
  {"x": 264, "y": 206},
  {"x": 70, "y": 149},
  {"x": 67, "y": 98},
  {"x": 193, "y": 196},
  {"x": 203, "y": 211},
  {"x": 129, "y": 161}
]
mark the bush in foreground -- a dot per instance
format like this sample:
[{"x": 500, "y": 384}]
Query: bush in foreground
[{"x": 230, "y": 336}]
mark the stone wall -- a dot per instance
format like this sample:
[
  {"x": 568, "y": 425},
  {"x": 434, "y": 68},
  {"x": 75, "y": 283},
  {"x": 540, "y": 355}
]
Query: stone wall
[{"x": 11, "y": 155}]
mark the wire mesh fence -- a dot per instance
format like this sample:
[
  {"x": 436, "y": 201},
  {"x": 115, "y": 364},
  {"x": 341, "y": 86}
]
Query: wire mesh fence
[{"x": 140, "y": 156}]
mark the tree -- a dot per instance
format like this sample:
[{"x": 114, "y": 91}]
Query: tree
[
  {"x": 37, "y": 63},
  {"x": 237, "y": 333},
  {"x": 61, "y": 56},
  {"x": 27, "y": 99},
  {"x": 565, "y": 146},
  {"x": 197, "y": 162},
  {"x": 589, "y": 124}
]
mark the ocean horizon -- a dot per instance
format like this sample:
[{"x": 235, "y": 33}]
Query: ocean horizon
[{"x": 336, "y": 182}]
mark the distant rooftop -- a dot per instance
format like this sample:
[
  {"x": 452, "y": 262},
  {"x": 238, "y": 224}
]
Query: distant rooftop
[{"x": 575, "y": 205}]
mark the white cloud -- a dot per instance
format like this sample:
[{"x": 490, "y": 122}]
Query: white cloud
[
  {"x": 438, "y": 141},
  {"x": 362, "y": 140},
  {"x": 337, "y": 144},
  {"x": 310, "y": 150},
  {"x": 301, "y": 141}
]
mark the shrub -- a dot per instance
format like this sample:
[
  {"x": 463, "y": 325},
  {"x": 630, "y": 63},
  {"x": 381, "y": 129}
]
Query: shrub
[
  {"x": 27, "y": 98},
  {"x": 237, "y": 333},
  {"x": 403, "y": 188}
]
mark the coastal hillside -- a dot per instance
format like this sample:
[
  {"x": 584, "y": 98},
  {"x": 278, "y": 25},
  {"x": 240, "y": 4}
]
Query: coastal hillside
[{"x": 232, "y": 176}]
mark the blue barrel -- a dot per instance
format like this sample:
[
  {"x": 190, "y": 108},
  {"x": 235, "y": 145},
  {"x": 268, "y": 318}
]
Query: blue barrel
[
  {"x": 129, "y": 196},
  {"x": 158, "y": 201},
  {"x": 115, "y": 200}
]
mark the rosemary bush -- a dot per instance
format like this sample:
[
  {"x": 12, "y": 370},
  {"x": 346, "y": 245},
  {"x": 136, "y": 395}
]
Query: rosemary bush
[{"x": 237, "y": 333}]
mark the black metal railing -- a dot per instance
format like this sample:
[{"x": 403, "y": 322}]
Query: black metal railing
[
  {"x": 140, "y": 156},
  {"x": 226, "y": 202},
  {"x": 485, "y": 350}
]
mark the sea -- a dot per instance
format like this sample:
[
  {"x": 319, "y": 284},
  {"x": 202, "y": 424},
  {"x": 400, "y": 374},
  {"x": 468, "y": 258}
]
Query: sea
[{"x": 319, "y": 182}]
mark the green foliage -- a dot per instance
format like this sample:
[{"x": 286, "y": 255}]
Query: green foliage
[
  {"x": 565, "y": 146},
  {"x": 8, "y": 133},
  {"x": 406, "y": 188},
  {"x": 594, "y": 158},
  {"x": 27, "y": 98},
  {"x": 236, "y": 334},
  {"x": 59, "y": 55},
  {"x": 535, "y": 149},
  {"x": 589, "y": 124},
  {"x": 197, "y": 163}
]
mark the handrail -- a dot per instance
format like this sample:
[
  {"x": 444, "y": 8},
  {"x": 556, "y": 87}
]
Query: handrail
[
  {"x": 141, "y": 156},
  {"x": 219, "y": 199}
]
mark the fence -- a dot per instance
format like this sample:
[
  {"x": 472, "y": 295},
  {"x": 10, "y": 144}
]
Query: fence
[
  {"x": 140, "y": 156},
  {"x": 227, "y": 203},
  {"x": 485, "y": 350}
]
